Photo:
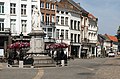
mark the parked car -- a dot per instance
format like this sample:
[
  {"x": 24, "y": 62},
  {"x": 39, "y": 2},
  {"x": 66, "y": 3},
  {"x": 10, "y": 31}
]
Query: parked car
[
  {"x": 118, "y": 53},
  {"x": 111, "y": 54}
]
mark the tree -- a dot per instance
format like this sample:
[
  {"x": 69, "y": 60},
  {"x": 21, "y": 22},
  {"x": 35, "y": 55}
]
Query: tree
[{"x": 118, "y": 37}]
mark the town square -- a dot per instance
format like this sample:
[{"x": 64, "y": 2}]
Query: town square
[{"x": 58, "y": 39}]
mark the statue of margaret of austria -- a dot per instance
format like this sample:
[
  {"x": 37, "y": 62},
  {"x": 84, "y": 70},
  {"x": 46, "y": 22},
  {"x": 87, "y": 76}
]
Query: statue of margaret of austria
[{"x": 36, "y": 19}]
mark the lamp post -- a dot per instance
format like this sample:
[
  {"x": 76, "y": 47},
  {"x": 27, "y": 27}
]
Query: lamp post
[
  {"x": 62, "y": 52},
  {"x": 111, "y": 45},
  {"x": 71, "y": 42},
  {"x": 21, "y": 36},
  {"x": 21, "y": 54},
  {"x": 61, "y": 38},
  {"x": 49, "y": 38}
]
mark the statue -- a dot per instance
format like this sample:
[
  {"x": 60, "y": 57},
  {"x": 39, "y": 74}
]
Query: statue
[{"x": 36, "y": 19}]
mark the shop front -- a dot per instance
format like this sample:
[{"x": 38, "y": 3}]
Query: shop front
[{"x": 75, "y": 50}]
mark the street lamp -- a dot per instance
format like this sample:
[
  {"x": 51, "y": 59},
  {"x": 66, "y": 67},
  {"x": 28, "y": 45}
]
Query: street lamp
[
  {"x": 71, "y": 42},
  {"x": 49, "y": 39},
  {"x": 72, "y": 49},
  {"x": 21, "y": 36},
  {"x": 21, "y": 54},
  {"x": 61, "y": 37},
  {"x": 62, "y": 62},
  {"x": 111, "y": 45}
]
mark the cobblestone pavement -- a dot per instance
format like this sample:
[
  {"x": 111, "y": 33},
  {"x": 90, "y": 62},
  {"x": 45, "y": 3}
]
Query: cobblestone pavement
[
  {"x": 109, "y": 70},
  {"x": 19, "y": 73},
  {"x": 98, "y": 68}
]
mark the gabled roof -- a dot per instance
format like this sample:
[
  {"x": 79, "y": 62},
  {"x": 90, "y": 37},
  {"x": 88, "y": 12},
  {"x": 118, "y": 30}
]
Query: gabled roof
[
  {"x": 91, "y": 16},
  {"x": 84, "y": 12},
  {"x": 102, "y": 37},
  {"x": 78, "y": 6},
  {"x": 112, "y": 38}
]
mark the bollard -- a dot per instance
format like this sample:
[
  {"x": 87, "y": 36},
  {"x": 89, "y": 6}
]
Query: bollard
[
  {"x": 63, "y": 62},
  {"x": 20, "y": 64}
]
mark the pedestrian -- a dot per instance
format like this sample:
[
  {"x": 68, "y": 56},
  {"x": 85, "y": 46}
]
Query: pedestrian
[{"x": 11, "y": 57}]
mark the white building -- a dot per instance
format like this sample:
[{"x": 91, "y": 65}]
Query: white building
[
  {"x": 107, "y": 42},
  {"x": 89, "y": 29},
  {"x": 15, "y": 18},
  {"x": 62, "y": 27},
  {"x": 75, "y": 34},
  {"x": 16, "y": 15},
  {"x": 69, "y": 25},
  {"x": 92, "y": 34}
]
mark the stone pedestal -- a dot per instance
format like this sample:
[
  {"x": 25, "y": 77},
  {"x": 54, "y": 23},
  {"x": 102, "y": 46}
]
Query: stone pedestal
[
  {"x": 36, "y": 42},
  {"x": 20, "y": 64},
  {"x": 62, "y": 62},
  {"x": 37, "y": 49}
]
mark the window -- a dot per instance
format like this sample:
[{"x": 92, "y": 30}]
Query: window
[
  {"x": 47, "y": 19},
  {"x": 75, "y": 35},
  {"x": 24, "y": 25},
  {"x": 53, "y": 18},
  {"x": 50, "y": 32},
  {"x": 62, "y": 20},
  {"x": 57, "y": 19},
  {"x": 78, "y": 25},
  {"x": 52, "y": 6},
  {"x": 47, "y": 6},
  {"x": 57, "y": 33},
  {"x": 13, "y": 25},
  {"x": 44, "y": 29},
  {"x": 42, "y": 5},
  {"x": 71, "y": 23},
  {"x": 71, "y": 37},
  {"x": 66, "y": 21},
  {"x": 12, "y": 8},
  {"x": 1, "y": 7},
  {"x": 78, "y": 38},
  {"x": 66, "y": 34},
  {"x": 75, "y": 24},
  {"x": 1, "y": 24},
  {"x": 23, "y": 9},
  {"x": 66, "y": 12},
  {"x": 62, "y": 33},
  {"x": 49, "y": 29},
  {"x": 57, "y": 11},
  {"x": 42, "y": 17},
  {"x": 32, "y": 7},
  {"x": 62, "y": 12}
]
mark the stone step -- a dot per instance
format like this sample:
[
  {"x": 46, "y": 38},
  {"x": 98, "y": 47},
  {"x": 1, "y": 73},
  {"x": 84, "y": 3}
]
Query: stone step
[
  {"x": 35, "y": 66},
  {"x": 43, "y": 61},
  {"x": 44, "y": 65}
]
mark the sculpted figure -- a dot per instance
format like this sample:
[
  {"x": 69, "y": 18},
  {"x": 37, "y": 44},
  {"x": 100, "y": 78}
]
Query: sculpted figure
[{"x": 36, "y": 19}]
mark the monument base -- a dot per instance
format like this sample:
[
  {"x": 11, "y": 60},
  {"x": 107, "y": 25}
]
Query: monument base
[
  {"x": 37, "y": 49},
  {"x": 36, "y": 42}
]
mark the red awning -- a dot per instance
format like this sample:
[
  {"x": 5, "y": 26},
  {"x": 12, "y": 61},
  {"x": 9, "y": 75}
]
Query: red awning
[
  {"x": 57, "y": 45},
  {"x": 18, "y": 45}
]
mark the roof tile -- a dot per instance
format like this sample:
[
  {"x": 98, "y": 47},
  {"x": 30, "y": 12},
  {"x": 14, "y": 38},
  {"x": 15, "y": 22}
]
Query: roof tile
[{"x": 112, "y": 38}]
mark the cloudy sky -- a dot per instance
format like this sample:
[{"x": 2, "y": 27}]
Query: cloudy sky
[{"x": 107, "y": 12}]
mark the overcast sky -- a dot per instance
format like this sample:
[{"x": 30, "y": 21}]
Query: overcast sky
[{"x": 107, "y": 12}]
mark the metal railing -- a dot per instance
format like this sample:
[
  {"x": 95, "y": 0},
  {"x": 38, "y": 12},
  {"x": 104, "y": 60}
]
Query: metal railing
[{"x": 5, "y": 30}]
